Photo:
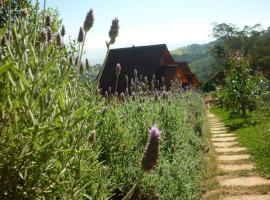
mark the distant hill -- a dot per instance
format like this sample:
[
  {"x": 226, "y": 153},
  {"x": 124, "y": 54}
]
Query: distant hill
[
  {"x": 193, "y": 49},
  {"x": 199, "y": 59}
]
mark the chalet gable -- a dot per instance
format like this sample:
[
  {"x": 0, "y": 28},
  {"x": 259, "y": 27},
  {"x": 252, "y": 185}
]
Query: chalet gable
[{"x": 147, "y": 60}]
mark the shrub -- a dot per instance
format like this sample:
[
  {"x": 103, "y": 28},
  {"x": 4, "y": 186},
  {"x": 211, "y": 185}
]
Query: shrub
[
  {"x": 44, "y": 121},
  {"x": 242, "y": 90}
]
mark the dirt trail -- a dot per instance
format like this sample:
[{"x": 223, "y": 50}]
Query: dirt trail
[{"x": 237, "y": 177}]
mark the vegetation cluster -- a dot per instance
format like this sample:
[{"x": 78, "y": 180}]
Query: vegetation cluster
[{"x": 60, "y": 139}]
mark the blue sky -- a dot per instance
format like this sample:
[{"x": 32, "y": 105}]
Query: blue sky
[{"x": 143, "y": 22}]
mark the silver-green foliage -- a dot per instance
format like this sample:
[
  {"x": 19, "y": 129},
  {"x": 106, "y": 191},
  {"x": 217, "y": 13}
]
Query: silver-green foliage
[
  {"x": 44, "y": 148},
  {"x": 48, "y": 114},
  {"x": 123, "y": 131}
]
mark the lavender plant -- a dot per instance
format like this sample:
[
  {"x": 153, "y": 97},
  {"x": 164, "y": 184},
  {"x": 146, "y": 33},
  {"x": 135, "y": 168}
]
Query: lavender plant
[
  {"x": 61, "y": 140},
  {"x": 45, "y": 121},
  {"x": 136, "y": 114},
  {"x": 151, "y": 152}
]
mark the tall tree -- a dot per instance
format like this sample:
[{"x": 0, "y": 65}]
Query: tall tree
[{"x": 252, "y": 41}]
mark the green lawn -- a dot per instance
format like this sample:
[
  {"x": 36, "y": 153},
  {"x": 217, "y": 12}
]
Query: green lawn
[{"x": 253, "y": 133}]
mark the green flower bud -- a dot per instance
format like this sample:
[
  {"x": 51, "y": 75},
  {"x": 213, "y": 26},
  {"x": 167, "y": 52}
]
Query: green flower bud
[
  {"x": 76, "y": 60},
  {"x": 70, "y": 60},
  {"x": 48, "y": 21},
  {"x": 118, "y": 69},
  {"x": 162, "y": 80},
  {"x": 81, "y": 35},
  {"x": 113, "y": 33},
  {"x": 145, "y": 80},
  {"x": 58, "y": 39},
  {"x": 89, "y": 21},
  {"x": 110, "y": 90},
  {"x": 122, "y": 97},
  {"x": 156, "y": 96},
  {"x": 135, "y": 73},
  {"x": 43, "y": 36},
  {"x": 63, "y": 31},
  {"x": 92, "y": 136},
  {"x": 126, "y": 78},
  {"x": 49, "y": 34},
  {"x": 87, "y": 65},
  {"x": 81, "y": 68},
  {"x": 3, "y": 41},
  {"x": 106, "y": 95},
  {"x": 24, "y": 13}
]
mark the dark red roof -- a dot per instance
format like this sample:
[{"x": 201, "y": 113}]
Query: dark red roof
[
  {"x": 184, "y": 67},
  {"x": 145, "y": 59}
]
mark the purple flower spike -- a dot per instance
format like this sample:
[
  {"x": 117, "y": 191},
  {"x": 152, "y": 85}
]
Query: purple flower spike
[
  {"x": 165, "y": 95},
  {"x": 151, "y": 152},
  {"x": 154, "y": 132}
]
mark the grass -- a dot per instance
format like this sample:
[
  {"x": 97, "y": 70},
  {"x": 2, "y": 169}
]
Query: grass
[
  {"x": 210, "y": 182},
  {"x": 253, "y": 132}
]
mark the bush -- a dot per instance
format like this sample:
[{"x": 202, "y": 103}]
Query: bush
[
  {"x": 123, "y": 132},
  {"x": 44, "y": 121},
  {"x": 242, "y": 90}
]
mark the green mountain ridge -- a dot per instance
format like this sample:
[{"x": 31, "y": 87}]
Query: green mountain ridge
[
  {"x": 192, "y": 49},
  {"x": 202, "y": 64}
]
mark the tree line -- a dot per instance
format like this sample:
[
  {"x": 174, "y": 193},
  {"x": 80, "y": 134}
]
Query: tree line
[{"x": 251, "y": 41}]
